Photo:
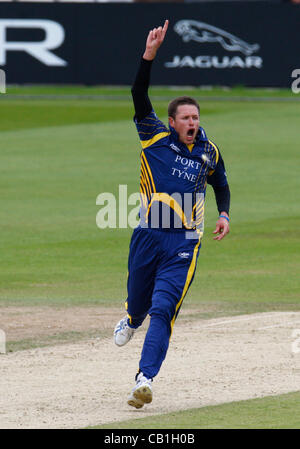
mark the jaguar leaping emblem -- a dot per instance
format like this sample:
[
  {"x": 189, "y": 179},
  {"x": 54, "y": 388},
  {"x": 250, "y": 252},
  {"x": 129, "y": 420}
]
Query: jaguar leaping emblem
[{"x": 192, "y": 30}]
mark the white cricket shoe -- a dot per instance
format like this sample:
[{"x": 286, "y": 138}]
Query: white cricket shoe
[
  {"x": 141, "y": 393},
  {"x": 123, "y": 333}
]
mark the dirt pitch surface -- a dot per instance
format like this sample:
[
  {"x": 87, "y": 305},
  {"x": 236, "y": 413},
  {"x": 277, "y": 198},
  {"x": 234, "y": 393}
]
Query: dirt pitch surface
[{"x": 86, "y": 383}]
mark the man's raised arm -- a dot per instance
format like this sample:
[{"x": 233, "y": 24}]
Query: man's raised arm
[{"x": 140, "y": 86}]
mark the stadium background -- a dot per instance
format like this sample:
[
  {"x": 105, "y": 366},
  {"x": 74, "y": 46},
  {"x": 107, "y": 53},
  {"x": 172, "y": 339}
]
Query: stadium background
[{"x": 67, "y": 136}]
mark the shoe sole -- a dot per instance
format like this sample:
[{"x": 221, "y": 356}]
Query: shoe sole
[
  {"x": 141, "y": 396},
  {"x": 135, "y": 403}
]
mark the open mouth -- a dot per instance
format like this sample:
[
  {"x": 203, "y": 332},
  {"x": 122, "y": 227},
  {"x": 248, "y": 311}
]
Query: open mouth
[{"x": 190, "y": 133}]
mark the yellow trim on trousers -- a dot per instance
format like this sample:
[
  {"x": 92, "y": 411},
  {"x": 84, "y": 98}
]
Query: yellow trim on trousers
[{"x": 189, "y": 277}]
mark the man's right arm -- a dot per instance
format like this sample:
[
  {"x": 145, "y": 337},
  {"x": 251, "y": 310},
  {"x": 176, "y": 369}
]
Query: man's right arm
[{"x": 139, "y": 90}]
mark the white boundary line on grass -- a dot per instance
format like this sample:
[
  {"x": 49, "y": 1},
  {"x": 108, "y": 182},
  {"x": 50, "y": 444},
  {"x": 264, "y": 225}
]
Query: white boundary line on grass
[
  {"x": 278, "y": 325},
  {"x": 250, "y": 318}
]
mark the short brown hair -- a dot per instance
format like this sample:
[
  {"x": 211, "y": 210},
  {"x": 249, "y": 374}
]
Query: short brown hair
[{"x": 173, "y": 105}]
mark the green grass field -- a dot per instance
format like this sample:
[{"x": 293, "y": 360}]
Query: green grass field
[
  {"x": 58, "y": 154},
  {"x": 273, "y": 412}
]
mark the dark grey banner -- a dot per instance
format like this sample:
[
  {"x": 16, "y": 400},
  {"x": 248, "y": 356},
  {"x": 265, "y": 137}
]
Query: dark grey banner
[{"x": 246, "y": 43}]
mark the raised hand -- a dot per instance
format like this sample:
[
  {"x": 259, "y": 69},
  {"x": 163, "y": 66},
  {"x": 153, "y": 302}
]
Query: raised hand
[{"x": 154, "y": 40}]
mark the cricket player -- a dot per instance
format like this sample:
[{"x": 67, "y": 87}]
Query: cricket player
[{"x": 177, "y": 163}]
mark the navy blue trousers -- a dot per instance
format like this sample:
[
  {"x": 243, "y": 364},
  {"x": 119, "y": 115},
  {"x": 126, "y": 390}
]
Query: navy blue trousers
[{"x": 161, "y": 268}]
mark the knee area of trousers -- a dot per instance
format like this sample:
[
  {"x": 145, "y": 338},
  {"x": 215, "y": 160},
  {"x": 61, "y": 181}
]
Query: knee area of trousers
[{"x": 164, "y": 310}]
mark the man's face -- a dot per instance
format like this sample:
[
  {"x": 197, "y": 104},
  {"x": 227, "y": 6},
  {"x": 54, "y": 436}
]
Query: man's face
[{"x": 186, "y": 122}]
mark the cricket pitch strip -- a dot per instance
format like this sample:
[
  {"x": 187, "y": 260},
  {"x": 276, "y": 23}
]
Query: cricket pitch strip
[{"x": 86, "y": 383}]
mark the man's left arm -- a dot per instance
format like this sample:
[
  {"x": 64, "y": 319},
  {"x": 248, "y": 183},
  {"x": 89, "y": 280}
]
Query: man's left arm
[{"x": 218, "y": 181}]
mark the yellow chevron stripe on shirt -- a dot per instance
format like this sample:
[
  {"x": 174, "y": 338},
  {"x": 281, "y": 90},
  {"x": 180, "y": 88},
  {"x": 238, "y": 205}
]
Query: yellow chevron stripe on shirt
[
  {"x": 146, "y": 179},
  {"x": 156, "y": 138},
  {"x": 143, "y": 195},
  {"x": 173, "y": 204},
  {"x": 217, "y": 156},
  {"x": 217, "y": 151},
  {"x": 145, "y": 182},
  {"x": 148, "y": 171}
]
